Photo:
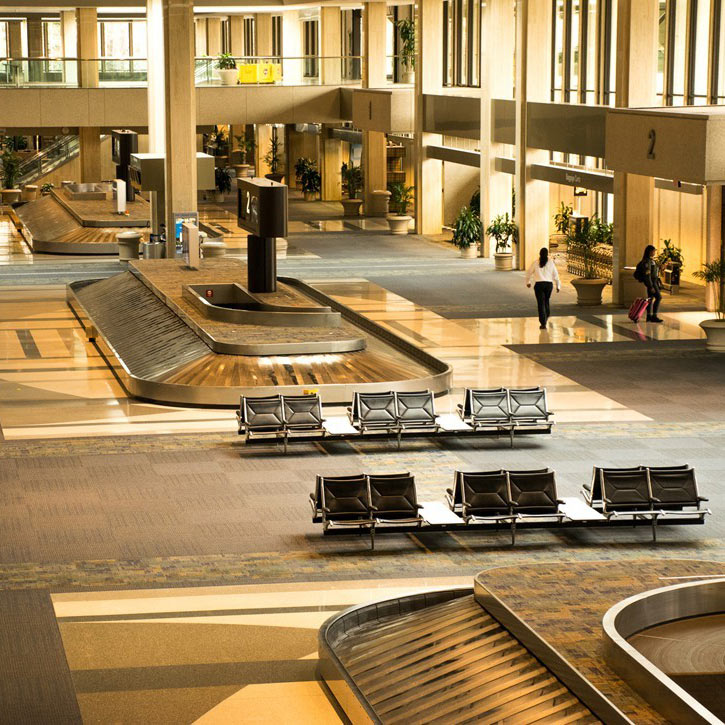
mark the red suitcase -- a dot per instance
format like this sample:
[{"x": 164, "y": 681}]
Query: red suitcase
[{"x": 638, "y": 308}]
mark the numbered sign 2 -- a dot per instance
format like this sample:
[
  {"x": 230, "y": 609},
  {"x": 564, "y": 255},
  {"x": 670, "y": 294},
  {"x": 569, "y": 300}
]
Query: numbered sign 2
[{"x": 652, "y": 140}]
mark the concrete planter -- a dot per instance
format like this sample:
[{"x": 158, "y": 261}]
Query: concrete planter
[
  {"x": 229, "y": 77},
  {"x": 310, "y": 195},
  {"x": 219, "y": 197},
  {"x": 409, "y": 76},
  {"x": 399, "y": 223},
  {"x": 589, "y": 291},
  {"x": 504, "y": 261},
  {"x": 351, "y": 207},
  {"x": 11, "y": 196},
  {"x": 469, "y": 252},
  {"x": 715, "y": 331},
  {"x": 30, "y": 193}
]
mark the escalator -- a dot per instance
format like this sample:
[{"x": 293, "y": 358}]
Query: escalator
[{"x": 451, "y": 663}]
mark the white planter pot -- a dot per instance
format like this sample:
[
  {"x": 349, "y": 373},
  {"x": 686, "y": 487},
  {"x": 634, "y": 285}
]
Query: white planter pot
[
  {"x": 218, "y": 197},
  {"x": 310, "y": 195},
  {"x": 504, "y": 261},
  {"x": 351, "y": 207},
  {"x": 11, "y": 196},
  {"x": 229, "y": 76},
  {"x": 409, "y": 76},
  {"x": 589, "y": 291},
  {"x": 715, "y": 331},
  {"x": 469, "y": 252},
  {"x": 399, "y": 223}
]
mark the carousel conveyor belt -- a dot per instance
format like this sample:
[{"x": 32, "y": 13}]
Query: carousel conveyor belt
[{"x": 453, "y": 663}]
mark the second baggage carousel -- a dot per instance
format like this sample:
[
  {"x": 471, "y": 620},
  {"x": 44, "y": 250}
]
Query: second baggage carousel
[{"x": 166, "y": 345}]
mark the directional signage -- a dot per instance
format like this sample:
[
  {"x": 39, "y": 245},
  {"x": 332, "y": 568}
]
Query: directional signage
[{"x": 262, "y": 207}]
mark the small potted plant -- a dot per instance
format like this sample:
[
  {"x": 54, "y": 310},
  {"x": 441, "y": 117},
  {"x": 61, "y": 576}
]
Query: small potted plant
[
  {"x": 407, "y": 51},
  {"x": 504, "y": 232},
  {"x": 670, "y": 261},
  {"x": 584, "y": 238},
  {"x": 562, "y": 219},
  {"x": 311, "y": 181},
  {"x": 46, "y": 188},
  {"x": 227, "y": 69},
  {"x": 467, "y": 232},
  {"x": 223, "y": 182},
  {"x": 245, "y": 147},
  {"x": 713, "y": 273},
  {"x": 10, "y": 170},
  {"x": 352, "y": 181},
  {"x": 301, "y": 165},
  {"x": 401, "y": 196},
  {"x": 273, "y": 158}
]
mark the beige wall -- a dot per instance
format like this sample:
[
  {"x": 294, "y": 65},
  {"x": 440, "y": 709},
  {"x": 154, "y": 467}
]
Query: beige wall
[
  {"x": 301, "y": 145},
  {"x": 459, "y": 183}
]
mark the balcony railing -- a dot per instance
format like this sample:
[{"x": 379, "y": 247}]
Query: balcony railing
[{"x": 132, "y": 72}]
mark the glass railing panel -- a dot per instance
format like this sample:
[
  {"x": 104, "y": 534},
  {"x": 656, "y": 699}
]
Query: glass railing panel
[{"x": 126, "y": 72}]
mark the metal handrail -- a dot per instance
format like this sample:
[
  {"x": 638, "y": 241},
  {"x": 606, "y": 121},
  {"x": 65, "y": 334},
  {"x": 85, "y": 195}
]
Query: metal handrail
[{"x": 36, "y": 166}]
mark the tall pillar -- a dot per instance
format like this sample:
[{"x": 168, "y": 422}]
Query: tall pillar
[
  {"x": 714, "y": 237},
  {"x": 34, "y": 26},
  {"x": 68, "y": 34},
  {"x": 87, "y": 51},
  {"x": 533, "y": 41},
  {"x": 497, "y": 82},
  {"x": 213, "y": 37},
  {"x": 15, "y": 38},
  {"x": 428, "y": 172},
  {"x": 200, "y": 37},
  {"x": 264, "y": 136},
  {"x": 330, "y": 165},
  {"x": 180, "y": 101},
  {"x": 636, "y": 77},
  {"x": 236, "y": 35},
  {"x": 156, "y": 99},
  {"x": 373, "y": 76},
  {"x": 263, "y": 31},
  {"x": 331, "y": 45}
]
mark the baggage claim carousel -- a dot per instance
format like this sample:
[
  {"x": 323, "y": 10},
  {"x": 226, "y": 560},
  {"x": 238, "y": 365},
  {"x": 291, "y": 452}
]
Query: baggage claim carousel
[{"x": 199, "y": 337}]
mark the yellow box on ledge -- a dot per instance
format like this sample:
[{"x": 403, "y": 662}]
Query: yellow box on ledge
[{"x": 260, "y": 72}]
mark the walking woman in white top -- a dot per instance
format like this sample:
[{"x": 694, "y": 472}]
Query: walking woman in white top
[{"x": 544, "y": 273}]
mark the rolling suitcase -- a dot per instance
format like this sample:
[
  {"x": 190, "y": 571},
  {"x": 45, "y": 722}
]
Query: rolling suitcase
[{"x": 638, "y": 308}]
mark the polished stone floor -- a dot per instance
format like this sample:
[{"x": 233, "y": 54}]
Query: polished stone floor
[{"x": 184, "y": 572}]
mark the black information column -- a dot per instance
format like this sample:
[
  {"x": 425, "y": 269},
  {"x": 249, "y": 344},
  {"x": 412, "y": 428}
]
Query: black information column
[{"x": 262, "y": 211}]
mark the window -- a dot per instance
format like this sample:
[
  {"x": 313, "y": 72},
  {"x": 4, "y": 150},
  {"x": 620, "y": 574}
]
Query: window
[
  {"x": 311, "y": 31},
  {"x": 461, "y": 45},
  {"x": 250, "y": 49},
  {"x": 557, "y": 58},
  {"x": 699, "y": 54},
  {"x": 718, "y": 79},
  {"x": 52, "y": 41},
  {"x": 351, "y": 44},
  {"x": 277, "y": 36}
]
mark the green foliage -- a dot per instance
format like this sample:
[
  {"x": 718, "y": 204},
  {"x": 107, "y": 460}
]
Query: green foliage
[
  {"x": 670, "y": 253},
  {"x": 562, "y": 218},
  {"x": 223, "y": 180},
  {"x": 475, "y": 203},
  {"x": 407, "y": 36},
  {"x": 225, "y": 61},
  {"x": 601, "y": 231},
  {"x": 246, "y": 146},
  {"x": 10, "y": 162},
  {"x": 504, "y": 231},
  {"x": 714, "y": 273},
  {"x": 584, "y": 242},
  {"x": 352, "y": 179},
  {"x": 272, "y": 158},
  {"x": 468, "y": 228},
  {"x": 301, "y": 165},
  {"x": 310, "y": 179},
  {"x": 46, "y": 188},
  {"x": 401, "y": 196},
  {"x": 218, "y": 142}
]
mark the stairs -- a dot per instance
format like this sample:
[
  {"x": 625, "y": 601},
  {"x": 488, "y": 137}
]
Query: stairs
[
  {"x": 59, "y": 151},
  {"x": 453, "y": 663}
]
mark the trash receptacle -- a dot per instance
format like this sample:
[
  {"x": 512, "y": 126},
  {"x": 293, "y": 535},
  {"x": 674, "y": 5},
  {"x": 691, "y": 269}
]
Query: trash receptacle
[
  {"x": 128, "y": 245},
  {"x": 153, "y": 250},
  {"x": 380, "y": 199}
]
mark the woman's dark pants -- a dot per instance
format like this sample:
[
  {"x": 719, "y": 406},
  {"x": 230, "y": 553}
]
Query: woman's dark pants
[{"x": 543, "y": 291}]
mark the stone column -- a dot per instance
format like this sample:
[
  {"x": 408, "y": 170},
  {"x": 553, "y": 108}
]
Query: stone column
[
  {"x": 263, "y": 33},
  {"x": 714, "y": 237},
  {"x": 533, "y": 42},
  {"x": 15, "y": 38},
  {"x": 236, "y": 33},
  {"x": 331, "y": 45},
  {"x": 69, "y": 37},
  {"x": 156, "y": 99},
  {"x": 34, "y": 26},
  {"x": 330, "y": 164},
  {"x": 200, "y": 37},
  {"x": 373, "y": 76},
  {"x": 180, "y": 101},
  {"x": 213, "y": 37},
  {"x": 497, "y": 82},
  {"x": 87, "y": 51},
  {"x": 636, "y": 76},
  {"x": 428, "y": 172}
]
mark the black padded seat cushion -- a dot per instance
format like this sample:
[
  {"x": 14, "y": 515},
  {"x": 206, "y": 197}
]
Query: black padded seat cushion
[
  {"x": 533, "y": 493},
  {"x": 485, "y": 494},
  {"x": 626, "y": 490},
  {"x": 303, "y": 411},
  {"x": 346, "y": 499},
  {"x": 416, "y": 408},
  {"x": 673, "y": 488},
  {"x": 393, "y": 496}
]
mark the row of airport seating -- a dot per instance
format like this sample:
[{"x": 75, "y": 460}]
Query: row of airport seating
[
  {"x": 501, "y": 410},
  {"x": 510, "y": 498}
]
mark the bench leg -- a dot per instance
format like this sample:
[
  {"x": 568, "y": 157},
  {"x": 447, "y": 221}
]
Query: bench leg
[
  {"x": 400, "y": 435},
  {"x": 654, "y": 528},
  {"x": 372, "y": 538},
  {"x": 513, "y": 532},
  {"x": 511, "y": 434}
]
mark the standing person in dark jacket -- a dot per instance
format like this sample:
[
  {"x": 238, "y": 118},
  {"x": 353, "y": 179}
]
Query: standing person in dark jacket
[{"x": 648, "y": 273}]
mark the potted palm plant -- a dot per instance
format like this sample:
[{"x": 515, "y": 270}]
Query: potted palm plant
[
  {"x": 311, "y": 181},
  {"x": 562, "y": 219},
  {"x": 467, "y": 232},
  {"x": 245, "y": 146},
  {"x": 273, "y": 158},
  {"x": 10, "y": 169},
  {"x": 713, "y": 273},
  {"x": 671, "y": 262},
  {"x": 401, "y": 196},
  {"x": 407, "y": 51},
  {"x": 301, "y": 165},
  {"x": 352, "y": 180},
  {"x": 504, "y": 232},
  {"x": 227, "y": 69},
  {"x": 223, "y": 182},
  {"x": 584, "y": 239}
]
